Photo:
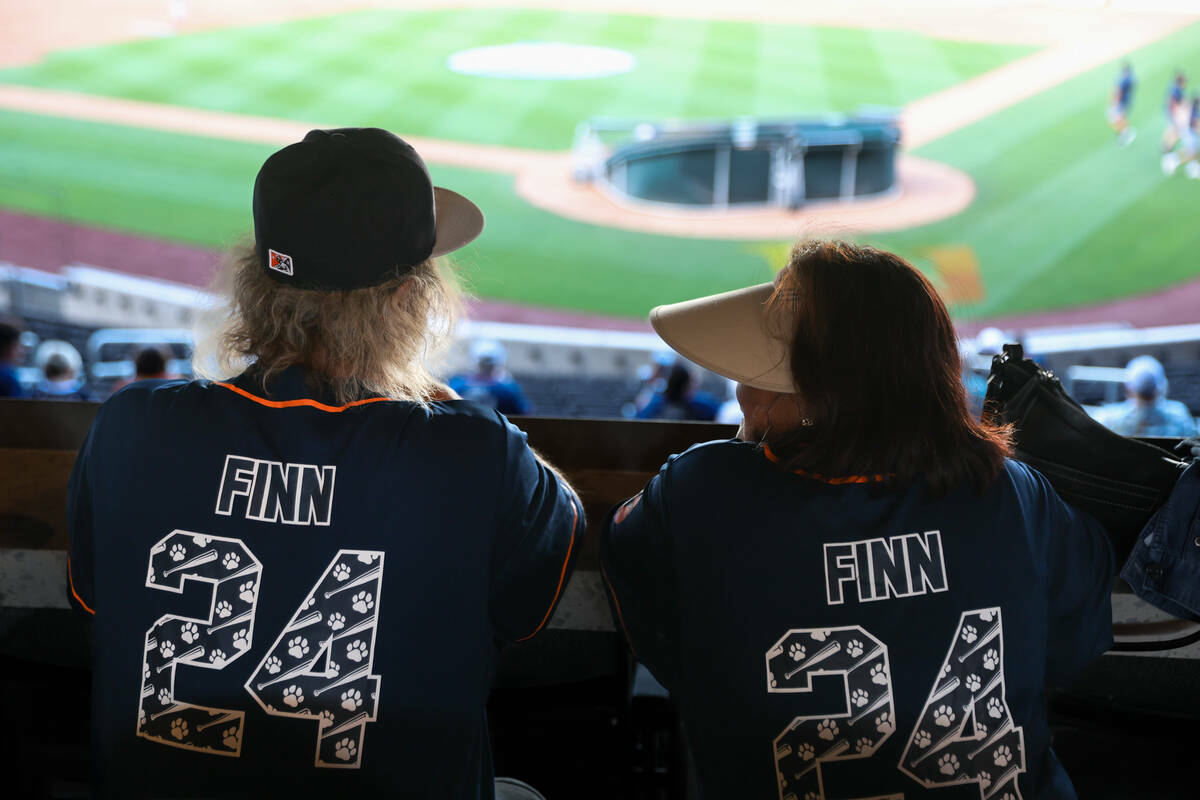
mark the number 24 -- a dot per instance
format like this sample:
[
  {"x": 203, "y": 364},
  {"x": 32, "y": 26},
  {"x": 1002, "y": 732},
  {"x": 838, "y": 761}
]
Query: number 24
[
  {"x": 318, "y": 668},
  {"x": 964, "y": 734}
]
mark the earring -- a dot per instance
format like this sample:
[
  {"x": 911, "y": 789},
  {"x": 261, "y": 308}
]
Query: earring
[{"x": 806, "y": 422}]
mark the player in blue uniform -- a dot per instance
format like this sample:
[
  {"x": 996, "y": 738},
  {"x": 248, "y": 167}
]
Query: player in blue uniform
[
  {"x": 326, "y": 549},
  {"x": 1176, "y": 111},
  {"x": 861, "y": 596},
  {"x": 1118, "y": 109}
]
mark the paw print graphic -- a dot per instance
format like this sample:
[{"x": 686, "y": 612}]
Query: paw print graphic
[
  {"x": 990, "y": 659},
  {"x": 231, "y": 560},
  {"x": 827, "y": 729},
  {"x": 805, "y": 751},
  {"x": 224, "y": 609},
  {"x": 878, "y": 675},
  {"x": 145, "y": 671},
  {"x": 859, "y": 698},
  {"x": 980, "y": 729},
  {"x": 293, "y": 696},
  {"x": 177, "y": 552},
  {"x": 943, "y": 716},
  {"x": 819, "y": 636},
  {"x": 200, "y": 541},
  {"x": 273, "y": 665},
  {"x": 230, "y": 738},
  {"x": 341, "y": 571},
  {"x": 336, "y": 621},
  {"x": 246, "y": 592},
  {"x": 774, "y": 683},
  {"x": 241, "y": 640},
  {"x": 351, "y": 699},
  {"x": 986, "y": 616},
  {"x": 796, "y": 651},
  {"x": 883, "y": 723},
  {"x": 945, "y": 671},
  {"x": 333, "y": 670},
  {"x": 141, "y": 717},
  {"x": 995, "y": 710},
  {"x": 310, "y": 602},
  {"x": 969, "y": 634},
  {"x": 326, "y": 719},
  {"x": 972, "y": 682},
  {"x": 854, "y": 647},
  {"x": 345, "y": 749},
  {"x": 298, "y": 647},
  {"x": 948, "y": 764},
  {"x": 167, "y": 649},
  {"x": 366, "y": 558},
  {"x": 1002, "y": 755},
  {"x": 179, "y": 729},
  {"x": 922, "y": 739},
  {"x": 164, "y": 697},
  {"x": 189, "y": 633},
  {"x": 984, "y": 778},
  {"x": 217, "y": 657},
  {"x": 356, "y": 650},
  {"x": 865, "y": 745},
  {"x": 363, "y": 602}
]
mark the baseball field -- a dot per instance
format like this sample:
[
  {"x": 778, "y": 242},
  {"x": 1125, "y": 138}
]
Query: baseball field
[{"x": 1060, "y": 216}]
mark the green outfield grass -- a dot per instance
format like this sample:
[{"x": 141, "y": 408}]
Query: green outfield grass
[
  {"x": 1063, "y": 216},
  {"x": 387, "y": 68}
]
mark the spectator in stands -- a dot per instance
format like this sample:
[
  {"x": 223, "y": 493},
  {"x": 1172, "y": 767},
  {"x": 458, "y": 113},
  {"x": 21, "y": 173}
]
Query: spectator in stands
[
  {"x": 61, "y": 364},
  {"x": 491, "y": 385},
  {"x": 149, "y": 365},
  {"x": 12, "y": 355},
  {"x": 678, "y": 398},
  {"x": 1146, "y": 410},
  {"x": 403, "y": 533},
  {"x": 865, "y": 529}
]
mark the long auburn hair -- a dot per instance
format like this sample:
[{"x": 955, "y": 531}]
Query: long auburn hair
[
  {"x": 877, "y": 369},
  {"x": 356, "y": 343}
]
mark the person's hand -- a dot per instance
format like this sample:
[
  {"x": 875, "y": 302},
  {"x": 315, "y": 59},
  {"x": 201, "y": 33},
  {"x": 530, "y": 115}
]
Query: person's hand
[{"x": 442, "y": 392}]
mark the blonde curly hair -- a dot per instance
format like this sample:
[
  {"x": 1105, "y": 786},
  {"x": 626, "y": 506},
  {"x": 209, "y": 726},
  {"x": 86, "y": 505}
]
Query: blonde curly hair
[{"x": 377, "y": 341}]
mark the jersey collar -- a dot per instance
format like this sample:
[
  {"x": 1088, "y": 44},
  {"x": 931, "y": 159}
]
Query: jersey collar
[{"x": 289, "y": 388}]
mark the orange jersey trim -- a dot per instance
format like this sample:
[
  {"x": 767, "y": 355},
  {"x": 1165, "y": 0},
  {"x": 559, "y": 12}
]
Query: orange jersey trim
[
  {"x": 295, "y": 403},
  {"x": 816, "y": 476},
  {"x": 562, "y": 576},
  {"x": 617, "y": 604},
  {"x": 75, "y": 594}
]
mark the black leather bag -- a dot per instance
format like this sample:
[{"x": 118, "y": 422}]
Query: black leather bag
[{"x": 1119, "y": 481}]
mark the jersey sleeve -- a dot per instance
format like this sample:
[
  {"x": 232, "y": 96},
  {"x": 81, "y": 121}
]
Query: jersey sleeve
[
  {"x": 639, "y": 577},
  {"x": 541, "y": 525},
  {"x": 1080, "y": 566},
  {"x": 80, "y": 584}
]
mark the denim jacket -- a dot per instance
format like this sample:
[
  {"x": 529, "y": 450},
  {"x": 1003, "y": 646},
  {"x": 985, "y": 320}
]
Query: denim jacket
[{"x": 1164, "y": 567}]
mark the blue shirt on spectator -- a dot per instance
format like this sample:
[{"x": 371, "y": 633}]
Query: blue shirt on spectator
[
  {"x": 1161, "y": 417},
  {"x": 500, "y": 392},
  {"x": 835, "y": 635},
  {"x": 9, "y": 385}
]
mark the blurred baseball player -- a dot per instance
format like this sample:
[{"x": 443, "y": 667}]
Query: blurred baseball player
[
  {"x": 1191, "y": 139},
  {"x": 328, "y": 547},
  {"x": 1118, "y": 110},
  {"x": 1177, "y": 112}
]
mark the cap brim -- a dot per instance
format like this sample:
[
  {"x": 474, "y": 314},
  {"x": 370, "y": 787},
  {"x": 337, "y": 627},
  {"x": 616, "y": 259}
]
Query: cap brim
[
  {"x": 459, "y": 221},
  {"x": 729, "y": 334}
]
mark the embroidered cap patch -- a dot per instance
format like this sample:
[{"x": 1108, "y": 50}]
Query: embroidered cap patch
[{"x": 279, "y": 262}]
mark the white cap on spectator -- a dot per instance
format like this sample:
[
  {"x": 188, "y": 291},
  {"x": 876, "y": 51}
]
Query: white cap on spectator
[
  {"x": 1145, "y": 377},
  {"x": 64, "y": 351},
  {"x": 488, "y": 350}
]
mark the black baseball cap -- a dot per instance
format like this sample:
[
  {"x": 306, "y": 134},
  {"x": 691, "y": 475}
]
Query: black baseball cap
[{"x": 349, "y": 208}]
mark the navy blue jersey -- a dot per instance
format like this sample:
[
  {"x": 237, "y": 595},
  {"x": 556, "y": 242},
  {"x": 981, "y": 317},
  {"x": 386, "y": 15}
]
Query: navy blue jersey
[
  {"x": 1125, "y": 89},
  {"x": 841, "y": 639},
  {"x": 294, "y": 598}
]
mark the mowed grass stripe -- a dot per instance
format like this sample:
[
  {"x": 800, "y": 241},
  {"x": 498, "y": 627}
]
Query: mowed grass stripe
[
  {"x": 198, "y": 191},
  {"x": 389, "y": 66},
  {"x": 1063, "y": 216}
]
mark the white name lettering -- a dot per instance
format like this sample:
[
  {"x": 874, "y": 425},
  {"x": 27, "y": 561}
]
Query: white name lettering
[
  {"x": 271, "y": 491},
  {"x": 879, "y": 569}
]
